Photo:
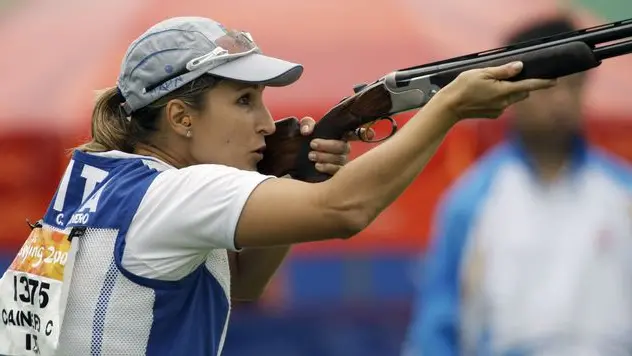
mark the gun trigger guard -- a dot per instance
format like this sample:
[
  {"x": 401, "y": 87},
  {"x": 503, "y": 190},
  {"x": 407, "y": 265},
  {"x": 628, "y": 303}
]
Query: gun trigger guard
[{"x": 362, "y": 134}]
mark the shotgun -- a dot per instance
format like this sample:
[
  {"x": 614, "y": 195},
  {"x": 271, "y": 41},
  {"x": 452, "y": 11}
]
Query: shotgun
[{"x": 411, "y": 88}]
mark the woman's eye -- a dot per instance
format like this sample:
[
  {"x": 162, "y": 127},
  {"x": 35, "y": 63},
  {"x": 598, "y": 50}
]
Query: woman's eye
[{"x": 244, "y": 99}]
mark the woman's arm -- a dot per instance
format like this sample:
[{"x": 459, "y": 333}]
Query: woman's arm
[
  {"x": 283, "y": 211},
  {"x": 252, "y": 269}
]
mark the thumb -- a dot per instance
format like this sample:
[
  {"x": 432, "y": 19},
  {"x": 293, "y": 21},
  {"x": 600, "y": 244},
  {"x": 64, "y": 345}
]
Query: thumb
[
  {"x": 307, "y": 125},
  {"x": 505, "y": 71}
]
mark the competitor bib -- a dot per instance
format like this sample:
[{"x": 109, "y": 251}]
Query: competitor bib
[{"x": 34, "y": 291}]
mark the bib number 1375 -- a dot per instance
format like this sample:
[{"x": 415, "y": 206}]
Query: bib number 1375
[
  {"x": 32, "y": 296},
  {"x": 29, "y": 290}
]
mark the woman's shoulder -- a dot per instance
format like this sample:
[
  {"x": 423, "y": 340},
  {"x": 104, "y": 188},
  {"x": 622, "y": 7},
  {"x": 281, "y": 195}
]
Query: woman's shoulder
[{"x": 98, "y": 188}]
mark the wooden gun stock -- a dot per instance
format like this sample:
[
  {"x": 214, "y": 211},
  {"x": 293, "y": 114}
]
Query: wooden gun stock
[
  {"x": 287, "y": 149},
  {"x": 282, "y": 149}
]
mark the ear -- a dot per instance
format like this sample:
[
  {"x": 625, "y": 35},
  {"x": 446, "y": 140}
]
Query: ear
[{"x": 179, "y": 117}]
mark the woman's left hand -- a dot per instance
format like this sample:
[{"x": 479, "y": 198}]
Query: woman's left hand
[{"x": 329, "y": 155}]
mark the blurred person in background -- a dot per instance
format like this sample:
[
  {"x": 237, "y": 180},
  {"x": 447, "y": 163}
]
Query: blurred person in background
[
  {"x": 531, "y": 250},
  {"x": 147, "y": 212}
]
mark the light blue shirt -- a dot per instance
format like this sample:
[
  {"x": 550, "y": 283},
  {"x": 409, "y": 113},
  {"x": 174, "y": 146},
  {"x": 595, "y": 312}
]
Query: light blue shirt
[{"x": 517, "y": 267}]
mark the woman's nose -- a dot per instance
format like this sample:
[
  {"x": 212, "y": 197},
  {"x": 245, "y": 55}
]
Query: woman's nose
[{"x": 266, "y": 124}]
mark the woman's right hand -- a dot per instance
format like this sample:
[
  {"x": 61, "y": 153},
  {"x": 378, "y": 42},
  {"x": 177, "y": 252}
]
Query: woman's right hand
[{"x": 485, "y": 92}]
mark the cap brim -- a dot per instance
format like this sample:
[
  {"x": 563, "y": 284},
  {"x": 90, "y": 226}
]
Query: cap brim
[{"x": 259, "y": 69}]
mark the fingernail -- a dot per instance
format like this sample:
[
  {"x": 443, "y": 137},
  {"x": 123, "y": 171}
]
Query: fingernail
[
  {"x": 319, "y": 166},
  {"x": 304, "y": 129},
  {"x": 313, "y": 145},
  {"x": 516, "y": 65},
  {"x": 312, "y": 156}
]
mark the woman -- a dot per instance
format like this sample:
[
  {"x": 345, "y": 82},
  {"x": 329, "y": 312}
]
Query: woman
[{"x": 169, "y": 184}]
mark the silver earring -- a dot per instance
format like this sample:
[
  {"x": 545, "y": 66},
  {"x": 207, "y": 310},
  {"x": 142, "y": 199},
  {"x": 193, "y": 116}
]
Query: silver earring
[{"x": 188, "y": 133}]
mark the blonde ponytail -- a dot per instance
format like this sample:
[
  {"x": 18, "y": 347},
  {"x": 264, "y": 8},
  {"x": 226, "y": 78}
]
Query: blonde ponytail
[{"x": 111, "y": 129}]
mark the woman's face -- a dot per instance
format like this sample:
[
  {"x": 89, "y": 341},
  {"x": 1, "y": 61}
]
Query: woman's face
[{"x": 231, "y": 129}]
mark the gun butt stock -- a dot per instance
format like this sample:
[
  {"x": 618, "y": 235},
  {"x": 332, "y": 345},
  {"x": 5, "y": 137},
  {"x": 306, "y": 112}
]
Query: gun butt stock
[
  {"x": 546, "y": 63},
  {"x": 282, "y": 148},
  {"x": 366, "y": 106},
  {"x": 287, "y": 149}
]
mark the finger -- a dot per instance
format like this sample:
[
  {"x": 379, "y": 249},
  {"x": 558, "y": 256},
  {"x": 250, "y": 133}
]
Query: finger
[
  {"x": 509, "y": 100},
  {"x": 321, "y": 157},
  {"x": 307, "y": 125},
  {"x": 327, "y": 168},
  {"x": 504, "y": 71},
  {"x": 490, "y": 114},
  {"x": 350, "y": 136},
  {"x": 367, "y": 134},
  {"x": 330, "y": 146},
  {"x": 529, "y": 85}
]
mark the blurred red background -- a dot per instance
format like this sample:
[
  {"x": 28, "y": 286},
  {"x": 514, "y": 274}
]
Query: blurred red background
[{"x": 61, "y": 52}]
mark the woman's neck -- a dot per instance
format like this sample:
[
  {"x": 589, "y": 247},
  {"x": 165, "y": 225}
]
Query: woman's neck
[{"x": 166, "y": 156}]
